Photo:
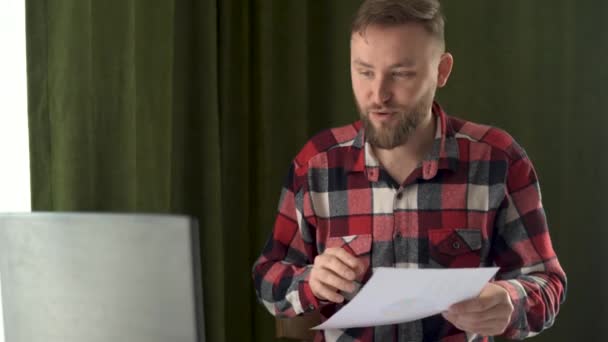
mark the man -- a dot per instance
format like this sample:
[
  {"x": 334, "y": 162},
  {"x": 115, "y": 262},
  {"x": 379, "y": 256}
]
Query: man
[{"x": 409, "y": 186}]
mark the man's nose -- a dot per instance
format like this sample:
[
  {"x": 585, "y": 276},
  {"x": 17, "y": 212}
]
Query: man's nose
[{"x": 381, "y": 91}]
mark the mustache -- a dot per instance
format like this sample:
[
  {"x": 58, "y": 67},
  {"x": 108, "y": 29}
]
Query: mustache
[{"x": 383, "y": 109}]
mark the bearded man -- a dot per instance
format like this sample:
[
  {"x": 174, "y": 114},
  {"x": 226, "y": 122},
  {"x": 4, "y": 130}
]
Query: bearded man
[{"x": 409, "y": 186}]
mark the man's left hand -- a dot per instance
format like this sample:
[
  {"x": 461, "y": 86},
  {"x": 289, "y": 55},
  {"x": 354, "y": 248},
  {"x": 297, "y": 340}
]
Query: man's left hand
[{"x": 487, "y": 315}]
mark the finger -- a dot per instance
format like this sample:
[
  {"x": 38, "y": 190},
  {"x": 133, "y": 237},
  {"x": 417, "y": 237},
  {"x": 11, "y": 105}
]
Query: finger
[
  {"x": 491, "y": 328},
  {"x": 331, "y": 262},
  {"x": 346, "y": 258},
  {"x": 490, "y": 296},
  {"x": 478, "y": 304},
  {"x": 453, "y": 319},
  {"x": 335, "y": 264},
  {"x": 328, "y": 277},
  {"x": 486, "y": 327},
  {"x": 317, "y": 288},
  {"x": 326, "y": 292},
  {"x": 476, "y": 318},
  {"x": 331, "y": 288}
]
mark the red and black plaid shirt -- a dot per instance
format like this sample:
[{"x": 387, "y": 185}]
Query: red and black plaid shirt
[{"x": 474, "y": 201}]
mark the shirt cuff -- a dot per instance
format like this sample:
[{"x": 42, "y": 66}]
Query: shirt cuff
[
  {"x": 512, "y": 330},
  {"x": 308, "y": 300}
]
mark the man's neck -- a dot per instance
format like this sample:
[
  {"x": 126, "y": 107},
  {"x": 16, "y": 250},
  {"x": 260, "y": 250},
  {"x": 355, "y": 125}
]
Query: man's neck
[{"x": 402, "y": 159}]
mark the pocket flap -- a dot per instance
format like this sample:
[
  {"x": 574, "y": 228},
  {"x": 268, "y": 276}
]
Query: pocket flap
[
  {"x": 455, "y": 241},
  {"x": 354, "y": 244}
]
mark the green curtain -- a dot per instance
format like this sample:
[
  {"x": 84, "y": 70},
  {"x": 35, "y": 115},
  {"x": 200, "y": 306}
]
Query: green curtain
[
  {"x": 197, "y": 107},
  {"x": 536, "y": 68}
]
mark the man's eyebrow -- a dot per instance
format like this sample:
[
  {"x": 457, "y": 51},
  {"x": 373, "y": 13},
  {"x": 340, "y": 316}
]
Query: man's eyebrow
[
  {"x": 404, "y": 64},
  {"x": 407, "y": 63},
  {"x": 362, "y": 63}
]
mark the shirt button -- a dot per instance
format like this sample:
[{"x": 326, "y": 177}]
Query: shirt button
[
  {"x": 400, "y": 195},
  {"x": 311, "y": 307},
  {"x": 456, "y": 245}
]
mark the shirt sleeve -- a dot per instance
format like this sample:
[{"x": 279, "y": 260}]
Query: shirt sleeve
[
  {"x": 282, "y": 271},
  {"x": 529, "y": 268}
]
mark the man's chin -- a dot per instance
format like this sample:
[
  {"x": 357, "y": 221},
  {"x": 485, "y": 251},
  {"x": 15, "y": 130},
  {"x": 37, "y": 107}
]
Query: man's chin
[
  {"x": 382, "y": 127},
  {"x": 383, "y": 139},
  {"x": 383, "y": 145}
]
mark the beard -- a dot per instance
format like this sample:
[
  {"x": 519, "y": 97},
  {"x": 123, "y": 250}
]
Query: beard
[{"x": 392, "y": 134}]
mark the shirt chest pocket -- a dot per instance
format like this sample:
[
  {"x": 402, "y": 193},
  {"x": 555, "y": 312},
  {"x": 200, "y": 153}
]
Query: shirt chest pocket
[
  {"x": 452, "y": 248},
  {"x": 359, "y": 246}
]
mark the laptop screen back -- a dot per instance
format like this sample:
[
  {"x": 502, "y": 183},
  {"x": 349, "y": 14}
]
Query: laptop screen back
[{"x": 69, "y": 277}]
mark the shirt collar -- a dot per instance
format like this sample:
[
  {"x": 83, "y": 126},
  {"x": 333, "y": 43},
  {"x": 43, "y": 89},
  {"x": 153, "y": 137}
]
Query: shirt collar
[{"x": 443, "y": 155}]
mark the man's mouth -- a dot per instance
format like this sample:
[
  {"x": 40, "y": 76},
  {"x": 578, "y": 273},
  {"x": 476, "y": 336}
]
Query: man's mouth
[{"x": 382, "y": 115}]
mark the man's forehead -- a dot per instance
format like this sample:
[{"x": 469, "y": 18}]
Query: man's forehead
[
  {"x": 400, "y": 44},
  {"x": 373, "y": 30}
]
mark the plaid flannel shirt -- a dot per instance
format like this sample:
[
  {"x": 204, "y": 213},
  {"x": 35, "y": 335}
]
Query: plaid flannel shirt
[{"x": 474, "y": 201}]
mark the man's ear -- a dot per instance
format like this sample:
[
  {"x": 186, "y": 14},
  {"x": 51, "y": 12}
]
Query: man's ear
[{"x": 445, "y": 68}]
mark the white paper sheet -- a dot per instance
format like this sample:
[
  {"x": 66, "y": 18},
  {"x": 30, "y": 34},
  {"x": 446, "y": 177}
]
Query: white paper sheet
[{"x": 397, "y": 295}]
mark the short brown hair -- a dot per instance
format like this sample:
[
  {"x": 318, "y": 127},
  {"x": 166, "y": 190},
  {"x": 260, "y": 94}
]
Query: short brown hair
[{"x": 398, "y": 12}]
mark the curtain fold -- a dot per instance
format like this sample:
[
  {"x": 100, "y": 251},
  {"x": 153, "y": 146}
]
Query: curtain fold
[{"x": 197, "y": 107}]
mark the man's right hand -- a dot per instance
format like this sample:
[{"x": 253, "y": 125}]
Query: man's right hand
[{"x": 333, "y": 271}]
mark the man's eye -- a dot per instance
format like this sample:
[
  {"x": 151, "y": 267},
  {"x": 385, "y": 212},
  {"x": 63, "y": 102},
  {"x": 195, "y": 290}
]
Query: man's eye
[
  {"x": 366, "y": 73},
  {"x": 404, "y": 74}
]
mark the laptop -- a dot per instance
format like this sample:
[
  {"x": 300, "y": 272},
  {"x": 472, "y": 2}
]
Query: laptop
[{"x": 76, "y": 277}]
